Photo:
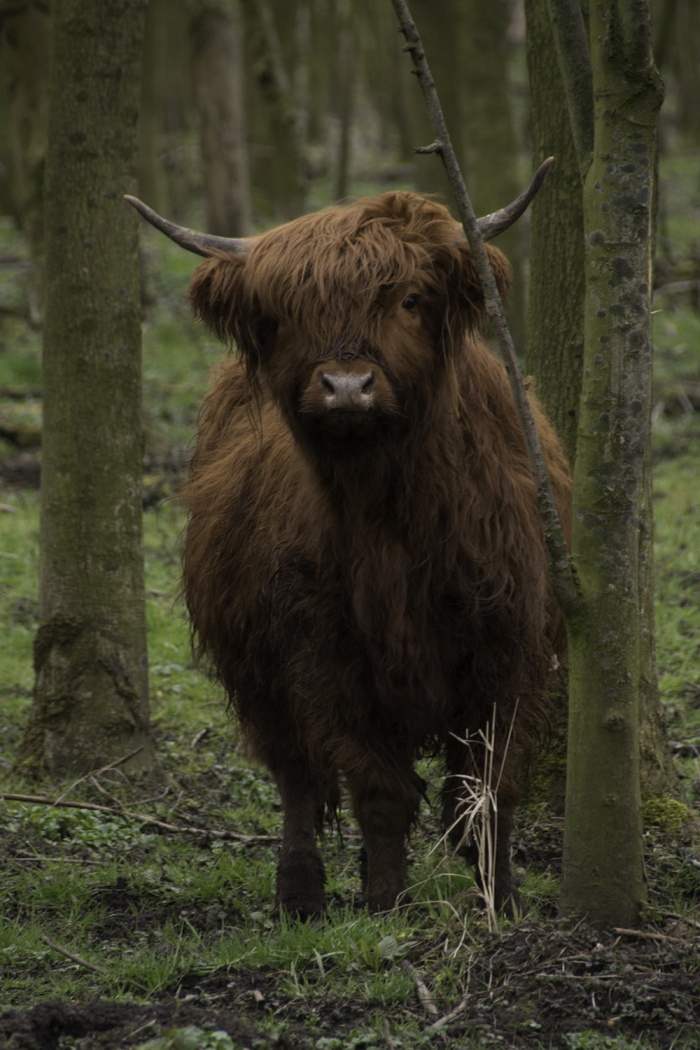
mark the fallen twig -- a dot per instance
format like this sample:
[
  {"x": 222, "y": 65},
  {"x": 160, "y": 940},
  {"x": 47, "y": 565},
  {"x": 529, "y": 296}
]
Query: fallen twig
[
  {"x": 103, "y": 791},
  {"x": 422, "y": 990},
  {"x": 681, "y": 918},
  {"x": 200, "y": 736},
  {"x": 71, "y": 955},
  {"x": 386, "y": 1030},
  {"x": 449, "y": 1017},
  {"x": 645, "y": 935},
  {"x": 103, "y": 769},
  {"x": 141, "y": 818}
]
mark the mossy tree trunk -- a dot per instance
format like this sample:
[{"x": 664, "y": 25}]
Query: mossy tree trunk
[
  {"x": 90, "y": 705},
  {"x": 603, "y": 873},
  {"x": 556, "y": 326}
]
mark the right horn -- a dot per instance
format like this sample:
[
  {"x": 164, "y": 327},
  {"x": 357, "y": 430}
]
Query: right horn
[
  {"x": 491, "y": 225},
  {"x": 192, "y": 240}
]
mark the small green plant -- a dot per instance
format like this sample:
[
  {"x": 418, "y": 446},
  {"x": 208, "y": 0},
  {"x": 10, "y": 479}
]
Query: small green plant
[
  {"x": 191, "y": 1038},
  {"x": 590, "y": 1040},
  {"x": 667, "y": 813}
]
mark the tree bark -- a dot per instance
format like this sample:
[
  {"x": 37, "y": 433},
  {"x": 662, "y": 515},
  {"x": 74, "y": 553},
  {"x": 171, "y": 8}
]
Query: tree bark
[
  {"x": 603, "y": 871},
  {"x": 554, "y": 353},
  {"x": 555, "y": 345},
  {"x": 217, "y": 69},
  {"x": 91, "y": 689}
]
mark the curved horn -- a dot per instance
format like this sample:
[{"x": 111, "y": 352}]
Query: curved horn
[
  {"x": 498, "y": 221},
  {"x": 200, "y": 243}
]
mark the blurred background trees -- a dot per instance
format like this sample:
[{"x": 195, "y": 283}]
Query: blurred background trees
[{"x": 253, "y": 111}]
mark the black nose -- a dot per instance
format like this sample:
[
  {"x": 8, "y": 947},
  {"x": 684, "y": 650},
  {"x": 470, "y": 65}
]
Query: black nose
[{"x": 348, "y": 391}]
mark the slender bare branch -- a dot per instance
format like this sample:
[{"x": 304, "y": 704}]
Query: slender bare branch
[
  {"x": 646, "y": 935},
  {"x": 562, "y": 573},
  {"x": 140, "y": 818},
  {"x": 96, "y": 772},
  {"x": 71, "y": 955}
]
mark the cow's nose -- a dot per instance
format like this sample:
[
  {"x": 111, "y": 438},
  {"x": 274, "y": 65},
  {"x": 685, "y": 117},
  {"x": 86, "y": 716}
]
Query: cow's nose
[{"x": 348, "y": 391}]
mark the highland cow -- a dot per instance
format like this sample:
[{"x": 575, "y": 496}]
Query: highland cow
[{"x": 364, "y": 561}]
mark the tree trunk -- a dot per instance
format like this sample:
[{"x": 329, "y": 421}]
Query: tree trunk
[
  {"x": 217, "y": 68},
  {"x": 603, "y": 872},
  {"x": 24, "y": 55},
  {"x": 554, "y": 352},
  {"x": 90, "y": 704}
]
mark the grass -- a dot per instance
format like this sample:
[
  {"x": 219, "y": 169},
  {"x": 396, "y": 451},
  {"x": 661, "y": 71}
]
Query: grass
[
  {"x": 147, "y": 916},
  {"x": 677, "y": 533}
]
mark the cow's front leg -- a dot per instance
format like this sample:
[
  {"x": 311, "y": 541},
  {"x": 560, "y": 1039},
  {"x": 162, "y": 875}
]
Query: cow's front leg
[
  {"x": 300, "y": 872},
  {"x": 385, "y": 806}
]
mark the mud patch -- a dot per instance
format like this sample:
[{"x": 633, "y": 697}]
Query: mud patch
[{"x": 109, "y": 1026}]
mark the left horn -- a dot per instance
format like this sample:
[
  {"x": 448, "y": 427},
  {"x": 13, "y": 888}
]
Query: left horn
[
  {"x": 200, "y": 243},
  {"x": 498, "y": 221}
]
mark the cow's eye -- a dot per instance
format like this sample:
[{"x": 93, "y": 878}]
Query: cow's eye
[{"x": 410, "y": 302}]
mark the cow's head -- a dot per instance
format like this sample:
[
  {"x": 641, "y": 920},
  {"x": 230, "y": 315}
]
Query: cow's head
[{"x": 353, "y": 317}]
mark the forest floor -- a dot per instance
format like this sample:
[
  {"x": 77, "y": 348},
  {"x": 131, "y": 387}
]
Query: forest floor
[
  {"x": 121, "y": 948},
  {"x": 531, "y": 985},
  {"x": 118, "y": 932}
]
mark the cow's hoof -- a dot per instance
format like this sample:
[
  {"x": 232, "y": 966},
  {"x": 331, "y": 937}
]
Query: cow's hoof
[
  {"x": 305, "y": 909},
  {"x": 386, "y": 901},
  {"x": 300, "y": 884}
]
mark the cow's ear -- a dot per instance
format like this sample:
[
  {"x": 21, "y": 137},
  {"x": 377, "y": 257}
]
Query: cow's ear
[
  {"x": 217, "y": 294},
  {"x": 465, "y": 298},
  {"x": 470, "y": 292},
  {"x": 502, "y": 270}
]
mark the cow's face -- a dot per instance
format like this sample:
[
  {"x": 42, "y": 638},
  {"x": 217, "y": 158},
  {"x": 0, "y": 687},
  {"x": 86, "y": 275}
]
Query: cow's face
[{"x": 353, "y": 317}]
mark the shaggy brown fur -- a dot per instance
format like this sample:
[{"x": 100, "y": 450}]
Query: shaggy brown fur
[{"x": 364, "y": 560}]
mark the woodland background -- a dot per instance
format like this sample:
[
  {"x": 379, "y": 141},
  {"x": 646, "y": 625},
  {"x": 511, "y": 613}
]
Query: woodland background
[{"x": 173, "y": 927}]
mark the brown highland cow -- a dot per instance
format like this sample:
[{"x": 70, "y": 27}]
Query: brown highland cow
[{"x": 364, "y": 561}]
